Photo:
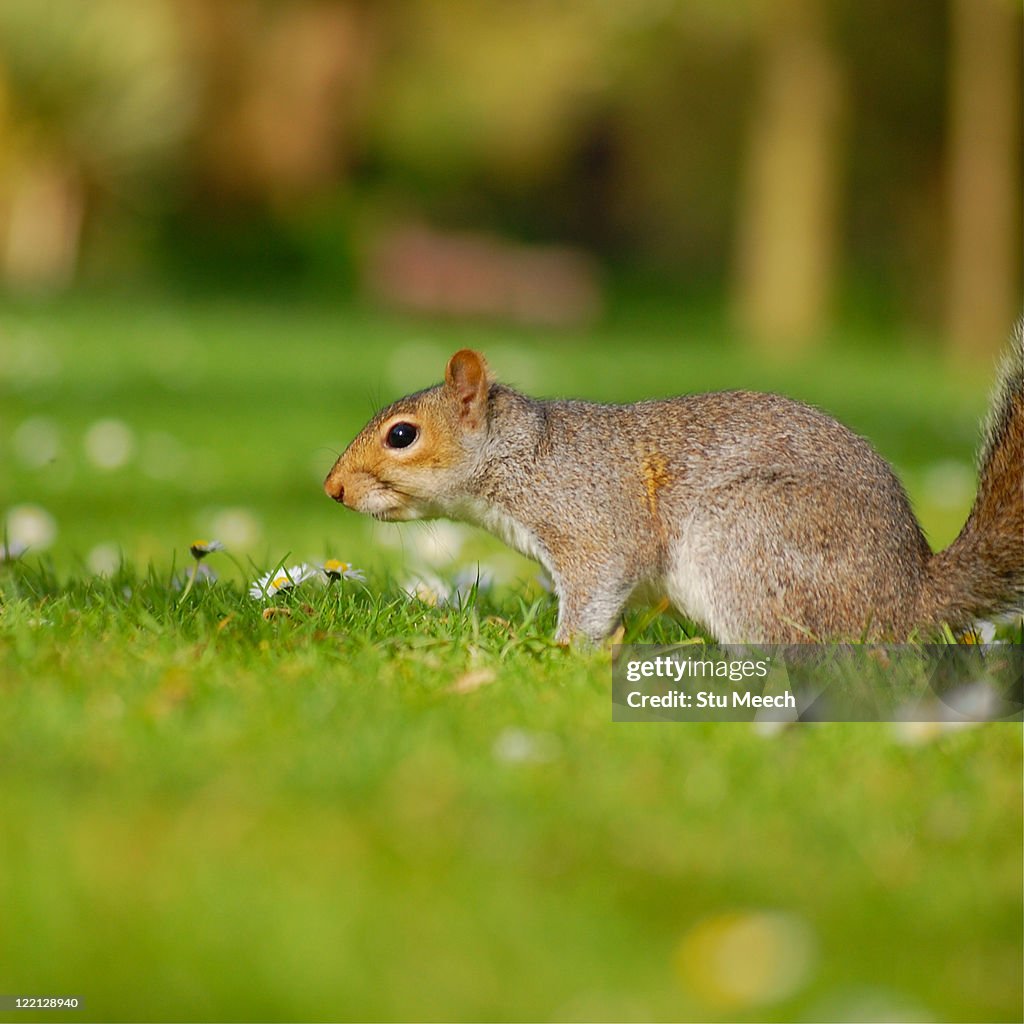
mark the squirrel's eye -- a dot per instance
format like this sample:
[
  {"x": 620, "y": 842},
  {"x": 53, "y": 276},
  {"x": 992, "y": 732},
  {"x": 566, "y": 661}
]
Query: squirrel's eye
[{"x": 401, "y": 435}]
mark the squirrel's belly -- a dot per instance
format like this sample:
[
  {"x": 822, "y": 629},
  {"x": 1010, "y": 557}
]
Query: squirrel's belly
[{"x": 690, "y": 586}]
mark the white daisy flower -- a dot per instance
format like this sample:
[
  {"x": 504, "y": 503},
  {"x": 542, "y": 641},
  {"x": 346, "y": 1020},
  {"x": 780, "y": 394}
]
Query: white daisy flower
[
  {"x": 194, "y": 574},
  {"x": 438, "y": 543},
  {"x": 13, "y": 551},
  {"x": 466, "y": 579},
  {"x": 30, "y": 525},
  {"x": 272, "y": 583},
  {"x": 985, "y": 632},
  {"x": 333, "y": 570},
  {"x": 429, "y": 589},
  {"x": 202, "y": 548}
]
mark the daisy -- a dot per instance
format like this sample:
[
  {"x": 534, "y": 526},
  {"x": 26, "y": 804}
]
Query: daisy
[
  {"x": 195, "y": 574},
  {"x": 333, "y": 570},
  {"x": 473, "y": 577},
  {"x": 272, "y": 583},
  {"x": 201, "y": 548},
  {"x": 13, "y": 551},
  {"x": 429, "y": 589},
  {"x": 985, "y": 632}
]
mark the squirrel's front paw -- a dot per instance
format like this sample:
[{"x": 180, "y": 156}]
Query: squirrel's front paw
[
  {"x": 590, "y": 615},
  {"x": 586, "y": 640}
]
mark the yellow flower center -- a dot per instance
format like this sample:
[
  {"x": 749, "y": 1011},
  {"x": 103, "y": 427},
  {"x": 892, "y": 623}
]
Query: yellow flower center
[
  {"x": 333, "y": 565},
  {"x": 200, "y": 543},
  {"x": 281, "y": 581}
]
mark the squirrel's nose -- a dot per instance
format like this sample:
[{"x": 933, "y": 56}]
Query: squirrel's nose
[{"x": 335, "y": 490}]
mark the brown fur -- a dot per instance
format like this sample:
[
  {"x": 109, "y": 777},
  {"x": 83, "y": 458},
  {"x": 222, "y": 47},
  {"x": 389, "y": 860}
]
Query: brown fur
[
  {"x": 982, "y": 571},
  {"x": 761, "y": 517}
]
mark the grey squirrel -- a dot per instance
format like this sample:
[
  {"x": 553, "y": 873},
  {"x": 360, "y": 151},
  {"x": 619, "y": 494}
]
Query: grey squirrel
[{"x": 757, "y": 516}]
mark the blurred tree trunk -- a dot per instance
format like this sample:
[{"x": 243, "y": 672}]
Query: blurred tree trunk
[
  {"x": 282, "y": 90},
  {"x": 42, "y": 203},
  {"x": 42, "y": 226},
  {"x": 786, "y": 241},
  {"x": 983, "y": 286}
]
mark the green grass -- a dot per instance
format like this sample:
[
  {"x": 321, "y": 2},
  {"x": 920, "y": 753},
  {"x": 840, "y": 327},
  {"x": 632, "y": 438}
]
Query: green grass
[{"x": 210, "y": 814}]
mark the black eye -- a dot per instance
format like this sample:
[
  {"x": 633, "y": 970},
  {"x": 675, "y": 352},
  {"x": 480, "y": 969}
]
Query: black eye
[{"x": 401, "y": 435}]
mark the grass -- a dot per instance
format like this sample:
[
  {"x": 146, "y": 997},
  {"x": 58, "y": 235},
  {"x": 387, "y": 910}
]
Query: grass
[{"x": 363, "y": 807}]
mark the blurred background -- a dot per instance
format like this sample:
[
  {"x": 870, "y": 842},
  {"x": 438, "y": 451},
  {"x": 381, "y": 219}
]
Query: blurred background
[
  {"x": 202, "y": 203},
  {"x": 797, "y": 160}
]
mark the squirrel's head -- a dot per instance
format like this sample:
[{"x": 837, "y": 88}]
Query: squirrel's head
[{"x": 411, "y": 458}]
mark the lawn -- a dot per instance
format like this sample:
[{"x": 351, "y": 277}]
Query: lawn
[{"x": 366, "y": 806}]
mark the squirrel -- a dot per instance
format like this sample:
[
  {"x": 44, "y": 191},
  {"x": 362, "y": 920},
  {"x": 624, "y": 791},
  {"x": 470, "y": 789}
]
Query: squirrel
[{"x": 759, "y": 517}]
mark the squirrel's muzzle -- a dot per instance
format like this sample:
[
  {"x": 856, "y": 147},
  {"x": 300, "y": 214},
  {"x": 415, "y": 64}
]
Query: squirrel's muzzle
[{"x": 334, "y": 488}]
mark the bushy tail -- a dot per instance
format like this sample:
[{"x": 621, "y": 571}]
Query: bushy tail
[{"x": 982, "y": 572}]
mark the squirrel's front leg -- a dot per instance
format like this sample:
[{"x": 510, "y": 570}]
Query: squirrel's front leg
[{"x": 590, "y": 611}]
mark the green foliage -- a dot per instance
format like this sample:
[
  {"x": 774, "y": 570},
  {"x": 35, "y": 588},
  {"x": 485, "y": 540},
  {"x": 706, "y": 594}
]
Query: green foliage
[
  {"x": 102, "y": 84},
  {"x": 620, "y": 127}
]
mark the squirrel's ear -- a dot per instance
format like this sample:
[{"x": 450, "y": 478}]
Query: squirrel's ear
[{"x": 468, "y": 378}]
